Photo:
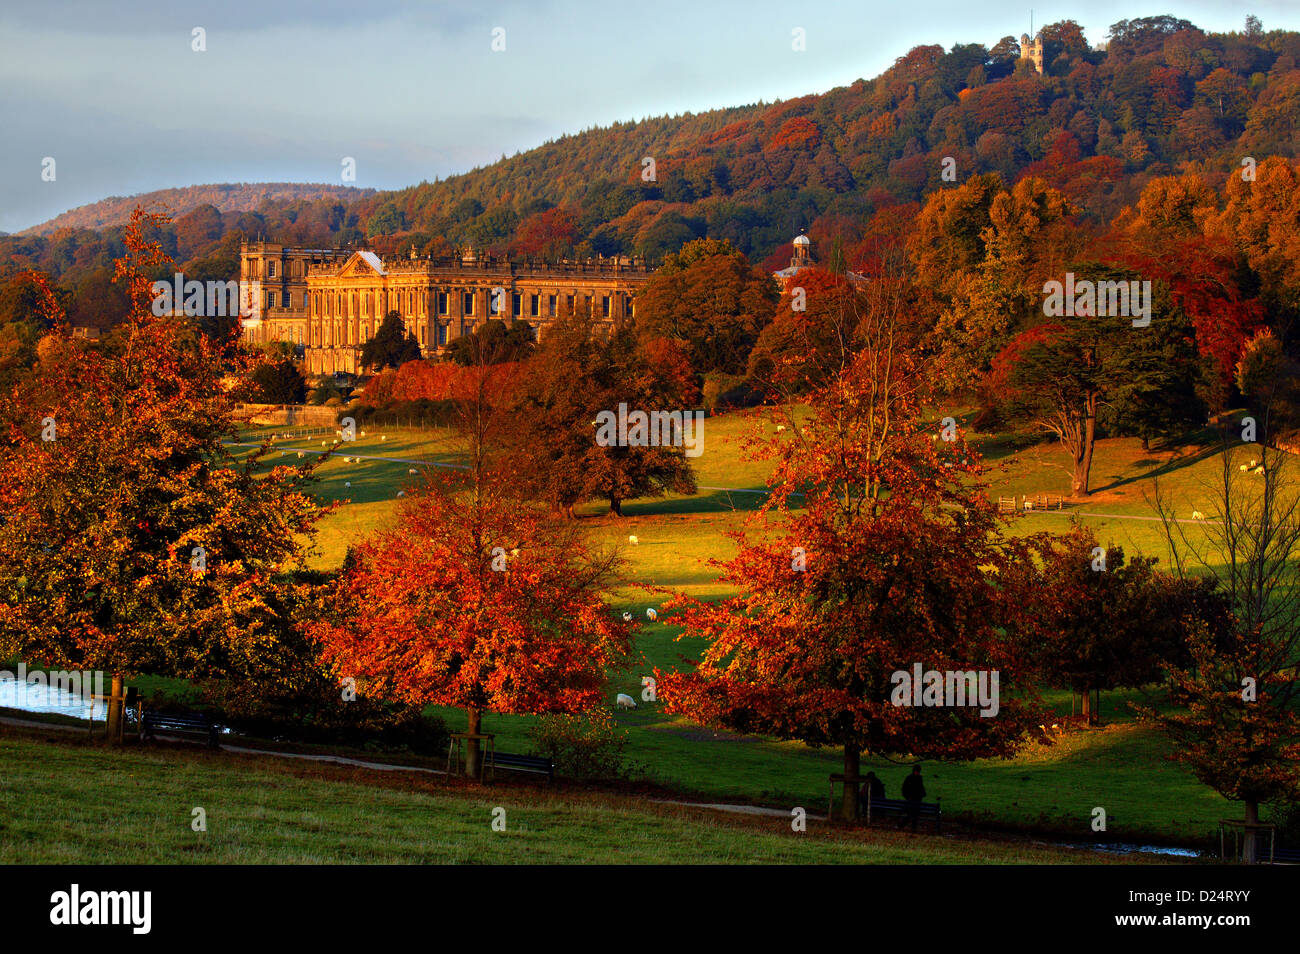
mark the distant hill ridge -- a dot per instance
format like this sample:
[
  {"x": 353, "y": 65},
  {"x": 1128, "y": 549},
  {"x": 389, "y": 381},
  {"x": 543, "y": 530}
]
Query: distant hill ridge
[{"x": 224, "y": 196}]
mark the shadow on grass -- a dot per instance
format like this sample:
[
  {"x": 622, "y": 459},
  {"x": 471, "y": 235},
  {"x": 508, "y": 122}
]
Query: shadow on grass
[{"x": 1196, "y": 455}]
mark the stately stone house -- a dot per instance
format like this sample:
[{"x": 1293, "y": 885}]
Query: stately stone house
[{"x": 330, "y": 302}]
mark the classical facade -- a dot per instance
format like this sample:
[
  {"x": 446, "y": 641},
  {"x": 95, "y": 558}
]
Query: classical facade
[{"x": 329, "y": 303}]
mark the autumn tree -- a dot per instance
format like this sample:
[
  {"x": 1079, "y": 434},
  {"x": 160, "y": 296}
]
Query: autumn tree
[
  {"x": 479, "y": 601},
  {"x": 806, "y": 343},
  {"x": 1238, "y": 722},
  {"x": 1060, "y": 375},
  {"x": 549, "y": 235},
  {"x": 278, "y": 382},
  {"x": 577, "y": 374},
  {"x": 1100, "y": 620},
  {"x": 392, "y": 345},
  {"x": 710, "y": 300},
  {"x": 494, "y": 339},
  {"x": 987, "y": 250},
  {"x": 132, "y": 541},
  {"x": 876, "y": 550}
]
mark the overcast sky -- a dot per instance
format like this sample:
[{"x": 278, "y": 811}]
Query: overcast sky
[{"x": 114, "y": 92}]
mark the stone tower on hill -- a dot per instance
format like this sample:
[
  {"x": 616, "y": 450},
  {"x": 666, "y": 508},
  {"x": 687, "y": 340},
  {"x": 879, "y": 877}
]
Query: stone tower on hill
[{"x": 1032, "y": 50}]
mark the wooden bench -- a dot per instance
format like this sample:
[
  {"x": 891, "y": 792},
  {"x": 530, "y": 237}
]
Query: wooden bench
[
  {"x": 898, "y": 808},
  {"x": 183, "y": 723},
  {"x": 521, "y": 763},
  {"x": 884, "y": 807}
]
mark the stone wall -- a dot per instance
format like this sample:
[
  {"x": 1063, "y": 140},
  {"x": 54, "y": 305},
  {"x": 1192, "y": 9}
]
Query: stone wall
[{"x": 294, "y": 415}]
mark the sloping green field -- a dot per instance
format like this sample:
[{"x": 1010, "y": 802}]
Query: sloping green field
[{"x": 1122, "y": 767}]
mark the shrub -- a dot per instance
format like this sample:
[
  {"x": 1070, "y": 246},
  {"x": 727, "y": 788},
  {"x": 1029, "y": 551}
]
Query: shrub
[{"x": 589, "y": 745}]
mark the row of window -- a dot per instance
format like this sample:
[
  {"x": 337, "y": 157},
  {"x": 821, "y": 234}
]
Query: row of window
[
  {"x": 286, "y": 302},
  {"x": 294, "y": 268},
  {"x": 410, "y": 303},
  {"x": 356, "y": 304}
]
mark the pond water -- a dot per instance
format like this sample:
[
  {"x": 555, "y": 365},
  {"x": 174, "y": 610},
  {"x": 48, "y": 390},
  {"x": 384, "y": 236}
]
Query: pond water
[
  {"x": 1121, "y": 848},
  {"x": 68, "y": 695}
]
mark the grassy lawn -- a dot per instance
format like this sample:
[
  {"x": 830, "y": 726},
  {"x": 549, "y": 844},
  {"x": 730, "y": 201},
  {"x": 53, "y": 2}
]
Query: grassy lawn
[
  {"x": 1122, "y": 767},
  {"x": 72, "y": 802}
]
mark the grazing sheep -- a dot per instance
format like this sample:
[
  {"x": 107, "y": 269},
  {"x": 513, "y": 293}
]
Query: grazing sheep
[
  {"x": 411, "y": 471},
  {"x": 780, "y": 428},
  {"x": 383, "y": 437},
  {"x": 363, "y": 433},
  {"x": 347, "y": 483},
  {"x": 632, "y": 540},
  {"x": 401, "y": 493},
  {"x": 1253, "y": 462},
  {"x": 1259, "y": 469},
  {"x": 624, "y": 701},
  {"x": 627, "y": 617},
  {"x": 1197, "y": 515},
  {"x": 1244, "y": 467},
  {"x": 301, "y": 454},
  {"x": 652, "y": 613}
]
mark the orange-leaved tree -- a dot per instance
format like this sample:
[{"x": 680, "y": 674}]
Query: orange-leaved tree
[
  {"x": 475, "y": 600},
  {"x": 132, "y": 540},
  {"x": 876, "y": 551}
]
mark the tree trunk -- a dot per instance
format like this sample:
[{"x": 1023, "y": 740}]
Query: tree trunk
[
  {"x": 1083, "y": 459},
  {"x": 1146, "y": 443},
  {"x": 849, "y": 798},
  {"x": 616, "y": 506},
  {"x": 1089, "y": 710},
  {"x": 115, "y": 710},
  {"x": 1249, "y": 843},
  {"x": 473, "y": 763}
]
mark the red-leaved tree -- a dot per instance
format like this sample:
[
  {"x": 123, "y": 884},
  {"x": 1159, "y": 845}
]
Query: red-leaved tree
[
  {"x": 478, "y": 601},
  {"x": 885, "y": 554}
]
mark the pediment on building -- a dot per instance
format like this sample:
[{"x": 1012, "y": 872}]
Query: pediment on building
[{"x": 362, "y": 264}]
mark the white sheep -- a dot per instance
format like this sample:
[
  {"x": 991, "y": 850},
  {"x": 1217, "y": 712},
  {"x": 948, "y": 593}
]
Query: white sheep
[
  {"x": 411, "y": 471},
  {"x": 632, "y": 540},
  {"x": 1259, "y": 469},
  {"x": 347, "y": 483},
  {"x": 401, "y": 493},
  {"x": 301, "y": 454},
  {"x": 652, "y": 614},
  {"x": 1253, "y": 462},
  {"x": 627, "y": 617},
  {"x": 383, "y": 437},
  {"x": 1197, "y": 515},
  {"x": 624, "y": 701},
  {"x": 1244, "y": 467}
]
